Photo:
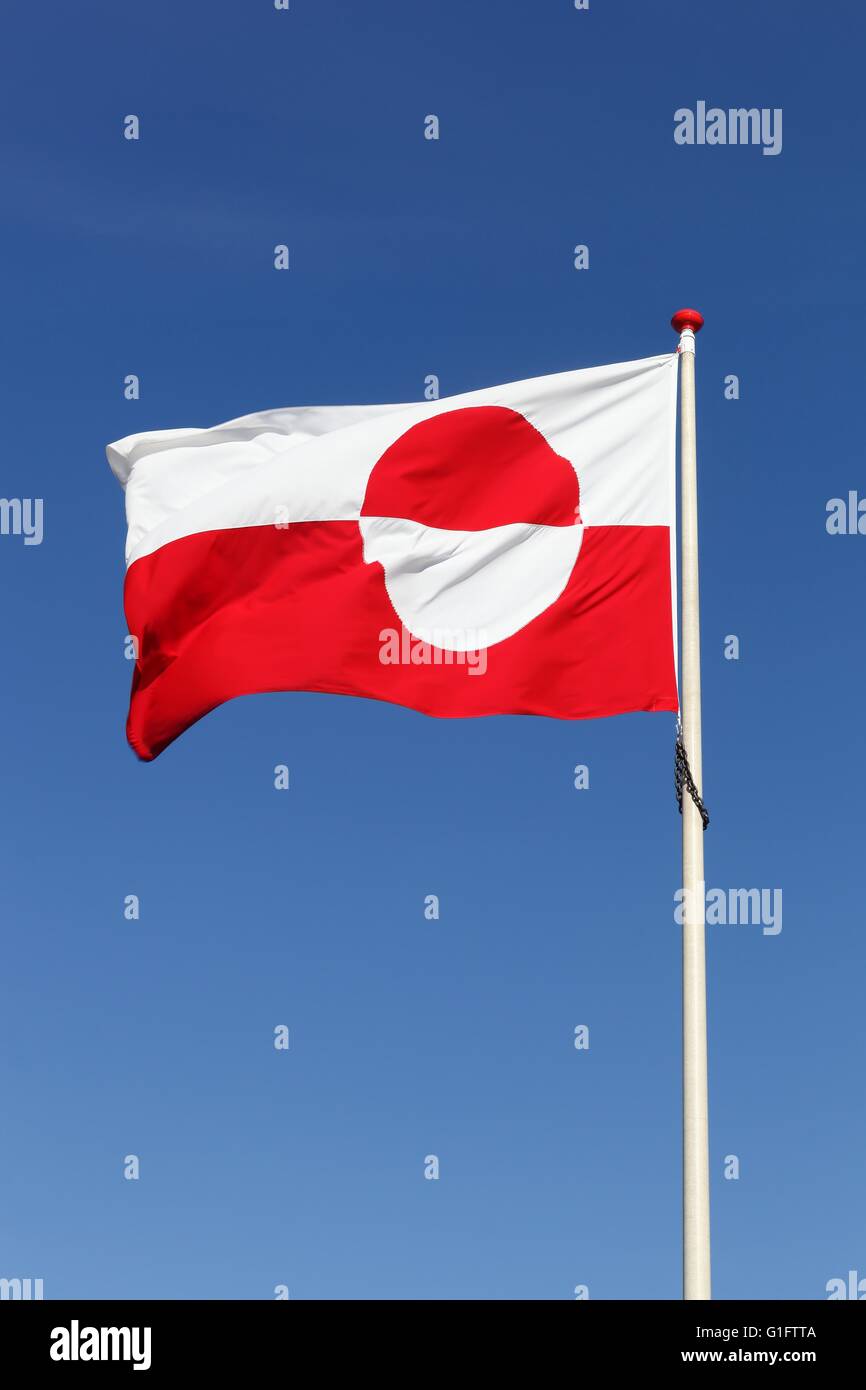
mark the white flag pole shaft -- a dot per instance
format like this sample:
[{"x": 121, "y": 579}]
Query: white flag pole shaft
[{"x": 696, "y": 1177}]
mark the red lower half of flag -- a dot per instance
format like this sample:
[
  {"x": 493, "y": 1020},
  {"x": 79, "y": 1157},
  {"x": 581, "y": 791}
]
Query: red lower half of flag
[{"x": 254, "y": 609}]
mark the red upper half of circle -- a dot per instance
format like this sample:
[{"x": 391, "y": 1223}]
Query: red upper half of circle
[{"x": 472, "y": 469}]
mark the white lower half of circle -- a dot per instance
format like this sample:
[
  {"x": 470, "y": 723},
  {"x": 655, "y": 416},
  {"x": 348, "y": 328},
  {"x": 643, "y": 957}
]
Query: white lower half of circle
[{"x": 463, "y": 590}]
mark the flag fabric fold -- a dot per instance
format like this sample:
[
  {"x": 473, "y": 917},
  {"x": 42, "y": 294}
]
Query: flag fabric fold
[{"x": 505, "y": 551}]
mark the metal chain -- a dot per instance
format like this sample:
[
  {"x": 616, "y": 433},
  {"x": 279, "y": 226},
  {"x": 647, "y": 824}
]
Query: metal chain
[{"x": 683, "y": 778}]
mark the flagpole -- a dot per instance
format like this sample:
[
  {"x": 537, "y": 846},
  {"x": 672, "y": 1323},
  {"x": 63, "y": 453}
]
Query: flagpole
[{"x": 696, "y": 1178}]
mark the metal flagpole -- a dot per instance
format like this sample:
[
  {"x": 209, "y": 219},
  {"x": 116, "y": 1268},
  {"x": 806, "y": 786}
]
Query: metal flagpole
[{"x": 696, "y": 1177}]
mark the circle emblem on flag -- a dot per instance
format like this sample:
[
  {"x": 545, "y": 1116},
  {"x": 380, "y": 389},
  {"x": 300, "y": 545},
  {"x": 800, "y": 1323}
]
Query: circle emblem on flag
[{"x": 475, "y": 521}]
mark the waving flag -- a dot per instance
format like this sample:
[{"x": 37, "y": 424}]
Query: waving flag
[{"x": 507, "y": 551}]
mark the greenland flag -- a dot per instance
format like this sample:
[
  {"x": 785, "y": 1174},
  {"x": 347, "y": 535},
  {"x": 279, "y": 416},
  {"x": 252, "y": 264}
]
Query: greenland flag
[{"x": 507, "y": 551}]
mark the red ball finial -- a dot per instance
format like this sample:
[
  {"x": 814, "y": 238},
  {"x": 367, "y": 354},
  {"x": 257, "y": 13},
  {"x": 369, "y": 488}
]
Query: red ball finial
[{"x": 687, "y": 318}]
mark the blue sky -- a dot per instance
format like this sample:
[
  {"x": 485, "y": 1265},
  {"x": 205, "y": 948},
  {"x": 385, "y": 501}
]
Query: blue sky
[{"x": 305, "y": 908}]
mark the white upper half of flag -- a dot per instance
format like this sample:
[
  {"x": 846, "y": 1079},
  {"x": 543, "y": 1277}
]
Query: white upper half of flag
[{"x": 616, "y": 425}]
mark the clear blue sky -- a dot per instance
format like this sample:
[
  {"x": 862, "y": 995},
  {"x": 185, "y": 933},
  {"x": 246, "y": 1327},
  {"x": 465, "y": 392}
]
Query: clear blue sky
[{"x": 258, "y": 908}]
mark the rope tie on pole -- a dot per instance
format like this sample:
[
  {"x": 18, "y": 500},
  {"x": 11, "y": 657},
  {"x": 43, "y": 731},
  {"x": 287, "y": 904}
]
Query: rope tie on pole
[{"x": 683, "y": 778}]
